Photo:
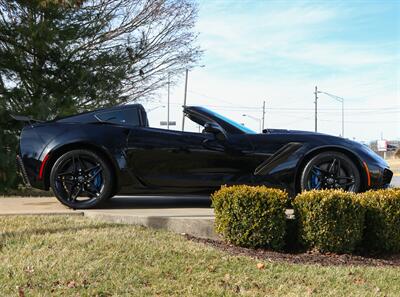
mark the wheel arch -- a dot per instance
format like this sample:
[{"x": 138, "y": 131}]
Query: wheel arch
[
  {"x": 59, "y": 151},
  {"x": 312, "y": 153}
]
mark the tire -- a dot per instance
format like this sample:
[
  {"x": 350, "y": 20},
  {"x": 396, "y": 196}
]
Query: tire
[
  {"x": 81, "y": 179},
  {"x": 331, "y": 170}
]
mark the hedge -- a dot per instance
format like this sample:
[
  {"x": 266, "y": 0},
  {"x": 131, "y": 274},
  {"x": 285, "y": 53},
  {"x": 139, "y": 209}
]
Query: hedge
[
  {"x": 382, "y": 220},
  {"x": 326, "y": 220},
  {"x": 329, "y": 220},
  {"x": 251, "y": 216}
]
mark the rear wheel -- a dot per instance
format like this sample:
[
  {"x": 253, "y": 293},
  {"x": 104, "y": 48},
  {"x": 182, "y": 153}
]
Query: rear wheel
[
  {"x": 331, "y": 170},
  {"x": 81, "y": 179}
]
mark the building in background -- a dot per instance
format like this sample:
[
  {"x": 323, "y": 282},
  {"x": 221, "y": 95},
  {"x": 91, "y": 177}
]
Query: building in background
[{"x": 387, "y": 149}]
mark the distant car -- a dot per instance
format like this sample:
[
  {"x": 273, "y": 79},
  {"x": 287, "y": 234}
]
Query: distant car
[
  {"x": 88, "y": 158},
  {"x": 391, "y": 148}
]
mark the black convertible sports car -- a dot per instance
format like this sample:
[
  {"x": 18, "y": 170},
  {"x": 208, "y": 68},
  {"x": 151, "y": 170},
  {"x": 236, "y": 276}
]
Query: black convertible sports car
[{"x": 87, "y": 158}]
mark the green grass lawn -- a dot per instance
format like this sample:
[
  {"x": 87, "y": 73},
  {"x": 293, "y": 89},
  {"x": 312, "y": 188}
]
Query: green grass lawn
[{"x": 73, "y": 256}]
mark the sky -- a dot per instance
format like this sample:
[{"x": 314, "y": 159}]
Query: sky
[{"x": 278, "y": 51}]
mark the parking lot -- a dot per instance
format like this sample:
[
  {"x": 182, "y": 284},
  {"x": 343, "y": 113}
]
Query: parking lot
[{"x": 396, "y": 181}]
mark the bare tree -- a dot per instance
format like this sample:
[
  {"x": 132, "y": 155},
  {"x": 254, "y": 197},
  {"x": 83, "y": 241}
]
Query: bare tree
[{"x": 60, "y": 58}]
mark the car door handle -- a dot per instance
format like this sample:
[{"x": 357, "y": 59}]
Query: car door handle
[
  {"x": 179, "y": 150},
  {"x": 213, "y": 145}
]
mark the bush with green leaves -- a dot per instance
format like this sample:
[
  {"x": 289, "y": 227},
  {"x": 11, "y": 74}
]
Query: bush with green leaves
[
  {"x": 329, "y": 220},
  {"x": 251, "y": 216},
  {"x": 382, "y": 220}
]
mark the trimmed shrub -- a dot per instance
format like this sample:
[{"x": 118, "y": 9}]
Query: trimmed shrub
[
  {"x": 329, "y": 220},
  {"x": 251, "y": 216},
  {"x": 382, "y": 220}
]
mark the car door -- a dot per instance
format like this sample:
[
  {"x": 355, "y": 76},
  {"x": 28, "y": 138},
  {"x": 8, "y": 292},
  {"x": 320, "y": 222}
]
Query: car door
[{"x": 175, "y": 159}]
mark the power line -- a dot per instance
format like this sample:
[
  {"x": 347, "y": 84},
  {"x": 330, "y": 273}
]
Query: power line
[
  {"x": 235, "y": 107},
  {"x": 361, "y": 122},
  {"x": 222, "y": 100},
  {"x": 283, "y": 110}
]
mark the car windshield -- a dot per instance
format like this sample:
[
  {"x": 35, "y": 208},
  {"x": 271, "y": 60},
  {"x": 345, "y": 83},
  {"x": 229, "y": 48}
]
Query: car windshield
[{"x": 231, "y": 122}]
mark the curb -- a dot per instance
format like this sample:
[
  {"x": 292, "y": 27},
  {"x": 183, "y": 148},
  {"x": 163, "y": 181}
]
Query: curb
[
  {"x": 202, "y": 227},
  {"x": 197, "y": 226}
]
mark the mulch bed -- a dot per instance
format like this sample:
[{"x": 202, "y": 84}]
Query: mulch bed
[{"x": 308, "y": 257}]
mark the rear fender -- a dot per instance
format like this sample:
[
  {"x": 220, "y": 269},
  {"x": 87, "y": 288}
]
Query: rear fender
[
  {"x": 107, "y": 140},
  {"x": 116, "y": 164}
]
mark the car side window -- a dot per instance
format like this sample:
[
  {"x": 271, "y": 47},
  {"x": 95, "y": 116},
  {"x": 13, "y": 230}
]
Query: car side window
[{"x": 121, "y": 117}]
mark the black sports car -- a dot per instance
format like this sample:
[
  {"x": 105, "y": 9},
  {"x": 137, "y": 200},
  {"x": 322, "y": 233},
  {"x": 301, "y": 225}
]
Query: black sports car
[{"x": 87, "y": 158}]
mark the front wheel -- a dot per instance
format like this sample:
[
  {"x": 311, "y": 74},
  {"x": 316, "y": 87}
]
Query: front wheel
[
  {"x": 331, "y": 170},
  {"x": 81, "y": 179}
]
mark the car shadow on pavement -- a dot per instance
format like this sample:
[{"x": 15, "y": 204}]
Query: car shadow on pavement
[{"x": 140, "y": 202}]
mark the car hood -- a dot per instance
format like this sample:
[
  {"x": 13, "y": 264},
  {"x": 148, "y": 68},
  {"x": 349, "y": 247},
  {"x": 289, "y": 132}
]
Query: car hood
[{"x": 285, "y": 131}]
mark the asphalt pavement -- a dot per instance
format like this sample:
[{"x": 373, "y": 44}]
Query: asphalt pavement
[
  {"x": 196, "y": 206},
  {"x": 395, "y": 181},
  {"x": 181, "y": 214},
  {"x": 147, "y": 205}
]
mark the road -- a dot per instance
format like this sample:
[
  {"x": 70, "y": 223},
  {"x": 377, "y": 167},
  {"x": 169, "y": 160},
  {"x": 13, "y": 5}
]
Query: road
[
  {"x": 396, "y": 181},
  {"x": 197, "y": 206},
  {"x": 150, "y": 205}
]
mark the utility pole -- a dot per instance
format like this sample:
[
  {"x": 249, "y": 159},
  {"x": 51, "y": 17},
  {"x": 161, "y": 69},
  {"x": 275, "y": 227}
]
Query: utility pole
[
  {"x": 316, "y": 108},
  {"x": 169, "y": 82},
  {"x": 263, "y": 117},
  {"x": 184, "y": 98}
]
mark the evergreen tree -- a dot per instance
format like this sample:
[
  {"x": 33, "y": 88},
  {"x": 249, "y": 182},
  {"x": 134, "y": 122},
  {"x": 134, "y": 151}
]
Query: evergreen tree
[{"x": 61, "y": 57}]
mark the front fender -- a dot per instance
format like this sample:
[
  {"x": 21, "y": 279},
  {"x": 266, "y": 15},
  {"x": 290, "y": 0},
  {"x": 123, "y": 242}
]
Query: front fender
[{"x": 286, "y": 165}]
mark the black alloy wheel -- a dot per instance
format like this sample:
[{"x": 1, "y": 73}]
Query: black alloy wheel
[
  {"x": 81, "y": 179},
  {"x": 331, "y": 170}
]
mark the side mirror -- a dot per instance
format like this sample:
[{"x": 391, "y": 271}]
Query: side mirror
[{"x": 216, "y": 130}]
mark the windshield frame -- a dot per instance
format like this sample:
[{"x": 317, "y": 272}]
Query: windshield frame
[
  {"x": 230, "y": 126},
  {"x": 233, "y": 123}
]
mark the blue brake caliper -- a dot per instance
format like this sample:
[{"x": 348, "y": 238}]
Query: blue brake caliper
[
  {"x": 97, "y": 180},
  {"x": 314, "y": 179}
]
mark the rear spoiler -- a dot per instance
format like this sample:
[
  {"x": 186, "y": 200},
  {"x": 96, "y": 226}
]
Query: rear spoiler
[{"x": 25, "y": 119}]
